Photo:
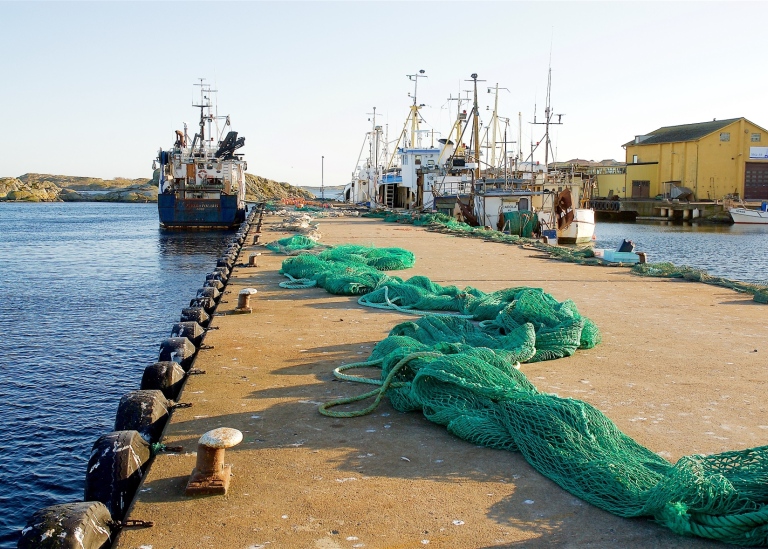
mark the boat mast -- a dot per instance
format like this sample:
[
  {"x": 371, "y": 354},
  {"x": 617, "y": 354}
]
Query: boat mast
[
  {"x": 413, "y": 117},
  {"x": 375, "y": 151},
  {"x": 415, "y": 107},
  {"x": 495, "y": 123},
  {"x": 205, "y": 102},
  {"x": 476, "y": 127}
]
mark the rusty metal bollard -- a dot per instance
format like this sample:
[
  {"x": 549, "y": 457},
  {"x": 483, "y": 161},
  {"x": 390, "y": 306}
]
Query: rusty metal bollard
[
  {"x": 252, "y": 259},
  {"x": 211, "y": 475},
  {"x": 244, "y": 300}
]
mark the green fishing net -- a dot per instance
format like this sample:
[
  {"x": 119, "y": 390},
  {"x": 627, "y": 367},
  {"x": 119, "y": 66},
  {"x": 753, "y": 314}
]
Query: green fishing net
[{"x": 459, "y": 366}]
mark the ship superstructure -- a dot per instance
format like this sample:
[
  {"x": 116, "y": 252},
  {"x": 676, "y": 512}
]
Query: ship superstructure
[{"x": 201, "y": 183}]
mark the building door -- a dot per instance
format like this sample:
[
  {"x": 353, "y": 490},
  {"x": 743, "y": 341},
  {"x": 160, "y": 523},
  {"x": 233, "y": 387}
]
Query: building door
[
  {"x": 641, "y": 189},
  {"x": 756, "y": 181}
]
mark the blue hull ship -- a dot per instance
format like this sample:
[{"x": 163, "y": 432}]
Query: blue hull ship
[
  {"x": 199, "y": 213},
  {"x": 201, "y": 182}
]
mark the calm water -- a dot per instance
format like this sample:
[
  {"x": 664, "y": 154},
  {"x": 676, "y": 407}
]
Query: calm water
[
  {"x": 330, "y": 193},
  {"x": 738, "y": 252},
  {"x": 90, "y": 291}
]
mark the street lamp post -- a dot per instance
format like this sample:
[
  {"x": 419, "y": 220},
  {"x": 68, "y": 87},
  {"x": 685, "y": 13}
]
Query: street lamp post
[{"x": 322, "y": 178}]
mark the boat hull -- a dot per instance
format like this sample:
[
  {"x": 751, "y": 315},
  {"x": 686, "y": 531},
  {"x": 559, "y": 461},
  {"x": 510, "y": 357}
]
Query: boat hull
[
  {"x": 198, "y": 213},
  {"x": 581, "y": 230},
  {"x": 743, "y": 215}
]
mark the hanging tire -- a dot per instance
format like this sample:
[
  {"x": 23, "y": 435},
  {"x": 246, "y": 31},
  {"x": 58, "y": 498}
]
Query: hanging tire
[
  {"x": 179, "y": 350},
  {"x": 209, "y": 291},
  {"x": 191, "y": 330},
  {"x": 165, "y": 376},
  {"x": 224, "y": 273},
  {"x": 115, "y": 469},
  {"x": 206, "y": 303},
  {"x": 216, "y": 276},
  {"x": 214, "y": 283},
  {"x": 81, "y": 525},
  {"x": 145, "y": 411},
  {"x": 195, "y": 314}
]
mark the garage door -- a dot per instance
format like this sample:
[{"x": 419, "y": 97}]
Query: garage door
[
  {"x": 641, "y": 189},
  {"x": 756, "y": 181}
]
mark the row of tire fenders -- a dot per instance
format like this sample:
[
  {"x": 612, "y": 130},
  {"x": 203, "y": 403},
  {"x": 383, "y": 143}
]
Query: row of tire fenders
[{"x": 119, "y": 459}]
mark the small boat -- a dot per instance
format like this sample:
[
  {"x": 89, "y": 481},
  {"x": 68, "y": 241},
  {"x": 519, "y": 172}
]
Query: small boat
[
  {"x": 574, "y": 225},
  {"x": 201, "y": 185},
  {"x": 745, "y": 215}
]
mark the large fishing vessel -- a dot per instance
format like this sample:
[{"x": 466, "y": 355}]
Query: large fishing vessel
[{"x": 201, "y": 183}]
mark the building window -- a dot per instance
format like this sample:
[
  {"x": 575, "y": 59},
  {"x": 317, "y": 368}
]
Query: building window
[
  {"x": 756, "y": 138},
  {"x": 405, "y": 160},
  {"x": 725, "y": 136}
]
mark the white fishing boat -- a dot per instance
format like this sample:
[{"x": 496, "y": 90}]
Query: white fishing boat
[
  {"x": 369, "y": 173},
  {"x": 745, "y": 215}
]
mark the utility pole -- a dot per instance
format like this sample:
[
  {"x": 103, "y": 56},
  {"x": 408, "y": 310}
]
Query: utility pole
[{"x": 322, "y": 178}]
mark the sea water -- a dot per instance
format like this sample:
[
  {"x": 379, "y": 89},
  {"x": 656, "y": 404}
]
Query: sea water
[
  {"x": 737, "y": 252},
  {"x": 89, "y": 291}
]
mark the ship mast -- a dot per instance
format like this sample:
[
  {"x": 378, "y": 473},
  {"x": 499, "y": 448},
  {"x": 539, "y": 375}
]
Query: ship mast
[
  {"x": 413, "y": 117},
  {"x": 495, "y": 123},
  {"x": 416, "y": 106},
  {"x": 476, "y": 126},
  {"x": 205, "y": 102}
]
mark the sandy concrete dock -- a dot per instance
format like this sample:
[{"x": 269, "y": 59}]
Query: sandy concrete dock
[{"x": 681, "y": 369}]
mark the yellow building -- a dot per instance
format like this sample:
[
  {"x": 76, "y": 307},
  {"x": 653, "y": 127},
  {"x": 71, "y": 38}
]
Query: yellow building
[{"x": 711, "y": 159}]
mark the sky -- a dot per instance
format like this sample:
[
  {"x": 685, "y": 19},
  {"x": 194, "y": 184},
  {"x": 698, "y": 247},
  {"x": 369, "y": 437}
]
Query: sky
[{"x": 96, "y": 88}]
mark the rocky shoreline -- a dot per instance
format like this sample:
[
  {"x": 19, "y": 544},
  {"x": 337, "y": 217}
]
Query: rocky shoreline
[{"x": 33, "y": 187}]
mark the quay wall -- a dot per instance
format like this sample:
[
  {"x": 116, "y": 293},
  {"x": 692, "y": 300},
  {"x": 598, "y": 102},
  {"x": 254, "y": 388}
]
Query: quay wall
[{"x": 679, "y": 370}]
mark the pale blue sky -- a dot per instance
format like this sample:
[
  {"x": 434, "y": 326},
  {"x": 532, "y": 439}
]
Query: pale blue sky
[{"x": 95, "y": 88}]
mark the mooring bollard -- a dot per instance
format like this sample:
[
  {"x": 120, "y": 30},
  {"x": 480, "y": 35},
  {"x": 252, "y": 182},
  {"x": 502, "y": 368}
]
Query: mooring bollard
[
  {"x": 252, "y": 259},
  {"x": 244, "y": 300},
  {"x": 256, "y": 238},
  {"x": 211, "y": 475}
]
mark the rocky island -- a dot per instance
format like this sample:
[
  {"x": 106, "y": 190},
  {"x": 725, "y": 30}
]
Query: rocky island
[{"x": 35, "y": 187}]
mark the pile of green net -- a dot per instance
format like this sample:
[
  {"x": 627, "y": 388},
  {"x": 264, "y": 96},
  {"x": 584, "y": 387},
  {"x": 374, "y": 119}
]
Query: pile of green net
[
  {"x": 459, "y": 367},
  {"x": 445, "y": 369},
  {"x": 292, "y": 244},
  {"x": 521, "y": 223},
  {"x": 346, "y": 270}
]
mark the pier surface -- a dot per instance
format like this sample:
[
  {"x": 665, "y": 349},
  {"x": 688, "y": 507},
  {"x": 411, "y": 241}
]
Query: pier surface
[{"x": 681, "y": 369}]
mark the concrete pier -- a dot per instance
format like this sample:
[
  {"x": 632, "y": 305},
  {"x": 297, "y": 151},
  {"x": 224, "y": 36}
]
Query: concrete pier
[{"x": 681, "y": 369}]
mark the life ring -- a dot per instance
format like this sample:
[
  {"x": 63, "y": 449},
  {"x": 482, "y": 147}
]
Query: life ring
[{"x": 202, "y": 174}]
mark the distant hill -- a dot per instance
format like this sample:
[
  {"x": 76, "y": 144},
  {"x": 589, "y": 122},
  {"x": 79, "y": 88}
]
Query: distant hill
[
  {"x": 258, "y": 188},
  {"x": 82, "y": 183},
  {"x": 36, "y": 187}
]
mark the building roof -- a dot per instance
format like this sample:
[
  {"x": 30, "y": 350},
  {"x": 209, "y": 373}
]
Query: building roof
[{"x": 685, "y": 132}]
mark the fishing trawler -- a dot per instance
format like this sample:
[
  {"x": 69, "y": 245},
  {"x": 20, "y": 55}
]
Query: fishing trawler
[{"x": 201, "y": 183}]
